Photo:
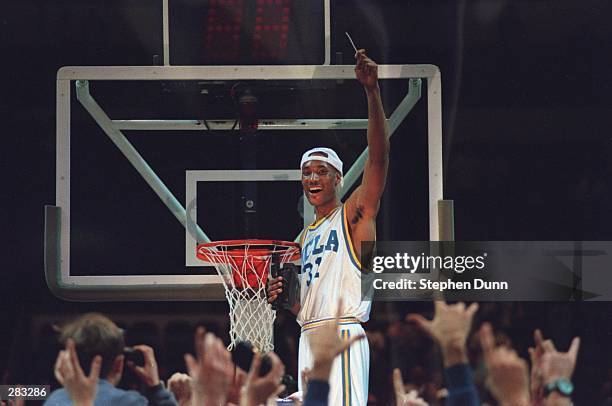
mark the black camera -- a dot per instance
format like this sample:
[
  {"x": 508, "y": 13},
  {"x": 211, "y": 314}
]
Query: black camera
[
  {"x": 291, "y": 286},
  {"x": 134, "y": 355}
]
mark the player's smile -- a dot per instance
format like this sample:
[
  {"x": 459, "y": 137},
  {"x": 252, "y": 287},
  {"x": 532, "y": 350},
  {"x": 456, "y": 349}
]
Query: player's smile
[
  {"x": 315, "y": 195},
  {"x": 313, "y": 192}
]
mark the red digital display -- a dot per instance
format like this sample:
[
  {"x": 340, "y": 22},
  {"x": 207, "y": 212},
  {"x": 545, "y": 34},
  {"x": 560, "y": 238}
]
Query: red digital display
[
  {"x": 226, "y": 20},
  {"x": 223, "y": 29},
  {"x": 271, "y": 28},
  {"x": 247, "y": 32}
]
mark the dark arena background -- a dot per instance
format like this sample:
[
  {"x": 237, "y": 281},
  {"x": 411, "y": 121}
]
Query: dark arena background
[{"x": 527, "y": 155}]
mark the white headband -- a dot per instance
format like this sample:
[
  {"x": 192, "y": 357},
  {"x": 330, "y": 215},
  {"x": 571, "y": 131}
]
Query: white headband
[{"x": 330, "y": 157}]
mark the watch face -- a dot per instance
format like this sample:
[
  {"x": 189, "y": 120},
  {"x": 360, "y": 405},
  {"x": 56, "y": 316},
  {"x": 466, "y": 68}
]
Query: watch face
[{"x": 565, "y": 386}]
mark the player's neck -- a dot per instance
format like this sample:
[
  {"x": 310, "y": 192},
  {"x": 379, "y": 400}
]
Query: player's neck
[{"x": 325, "y": 209}]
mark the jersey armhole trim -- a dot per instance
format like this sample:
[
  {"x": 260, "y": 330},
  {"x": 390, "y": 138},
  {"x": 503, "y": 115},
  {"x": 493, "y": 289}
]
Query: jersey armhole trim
[
  {"x": 302, "y": 236},
  {"x": 349, "y": 241}
]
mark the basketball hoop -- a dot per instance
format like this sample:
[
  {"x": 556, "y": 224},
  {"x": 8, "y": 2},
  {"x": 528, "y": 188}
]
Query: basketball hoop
[{"x": 244, "y": 266}]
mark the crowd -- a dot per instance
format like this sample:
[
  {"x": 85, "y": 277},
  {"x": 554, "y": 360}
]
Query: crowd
[{"x": 92, "y": 361}]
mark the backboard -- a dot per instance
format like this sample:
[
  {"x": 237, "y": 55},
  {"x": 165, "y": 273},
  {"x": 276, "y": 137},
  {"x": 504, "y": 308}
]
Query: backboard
[{"x": 150, "y": 161}]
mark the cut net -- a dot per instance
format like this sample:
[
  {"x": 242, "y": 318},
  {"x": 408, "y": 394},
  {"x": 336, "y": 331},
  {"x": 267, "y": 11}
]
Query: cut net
[{"x": 244, "y": 266}]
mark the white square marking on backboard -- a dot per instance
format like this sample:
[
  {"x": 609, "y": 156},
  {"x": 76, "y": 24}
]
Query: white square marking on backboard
[{"x": 192, "y": 177}]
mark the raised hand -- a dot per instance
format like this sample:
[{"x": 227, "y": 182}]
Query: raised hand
[
  {"x": 68, "y": 371},
  {"x": 508, "y": 378},
  {"x": 234, "y": 392},
  {"x": 326, "y": 344},
  {"x": 212, "y": 370},
  {"x": 449, "y": 328},
  {"x": 535, "y": 354},
  {"x": 366, "y": 70},
  {"x": 549, "y": 365},
  {"x": 403, "y": 398},
  {"x": 148, "y": 373},
  {"x": 180, "y": 385},
  {"x": 558, "y": 365},
  {"x": 258, "y": 389}
]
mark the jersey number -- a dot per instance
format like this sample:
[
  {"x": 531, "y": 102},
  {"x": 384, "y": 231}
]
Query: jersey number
[{"x": 308, "y": 268}]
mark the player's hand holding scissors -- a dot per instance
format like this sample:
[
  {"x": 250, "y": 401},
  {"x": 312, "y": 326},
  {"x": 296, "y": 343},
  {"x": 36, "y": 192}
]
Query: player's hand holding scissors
[{"x": 366, "y": 70}]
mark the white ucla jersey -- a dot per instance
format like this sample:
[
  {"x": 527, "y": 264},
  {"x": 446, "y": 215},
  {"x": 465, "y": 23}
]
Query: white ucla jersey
[{"x": 330, "y": 271}]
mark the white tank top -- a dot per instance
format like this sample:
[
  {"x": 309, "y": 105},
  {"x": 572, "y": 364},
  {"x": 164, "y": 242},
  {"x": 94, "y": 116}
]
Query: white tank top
[{"x": 330, "y": 270}]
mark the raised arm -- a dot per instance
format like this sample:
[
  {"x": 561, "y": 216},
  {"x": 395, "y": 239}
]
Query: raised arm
[
  {"x": 365, "y": 200},
  {"x": 508, "y": 376},
  {"x": 450, "y": 328}
]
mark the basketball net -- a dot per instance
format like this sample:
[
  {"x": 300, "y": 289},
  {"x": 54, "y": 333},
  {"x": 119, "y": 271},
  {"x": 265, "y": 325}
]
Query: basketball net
[{"x": 244, "y": 266}]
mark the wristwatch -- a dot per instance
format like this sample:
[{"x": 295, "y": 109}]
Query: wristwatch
[{"x": 564, "y": 386}]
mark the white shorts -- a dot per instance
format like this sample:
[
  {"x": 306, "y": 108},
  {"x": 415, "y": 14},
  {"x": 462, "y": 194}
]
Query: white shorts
[{"x": 348, "y": 383}]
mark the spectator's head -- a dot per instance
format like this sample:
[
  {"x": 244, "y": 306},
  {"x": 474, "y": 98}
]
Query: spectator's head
[{"x": 95, "y": 334}]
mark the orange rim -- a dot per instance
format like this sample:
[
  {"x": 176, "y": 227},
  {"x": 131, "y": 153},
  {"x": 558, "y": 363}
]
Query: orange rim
[{"x": 240, "y": 249}]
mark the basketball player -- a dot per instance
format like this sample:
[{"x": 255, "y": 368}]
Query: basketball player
[{"x": 331, "y": 246}]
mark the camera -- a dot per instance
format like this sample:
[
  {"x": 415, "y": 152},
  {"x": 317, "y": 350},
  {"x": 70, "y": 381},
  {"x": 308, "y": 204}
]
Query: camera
[
  {"x": 134, "y": 355},
  {"x": 291, "y": 286}
]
